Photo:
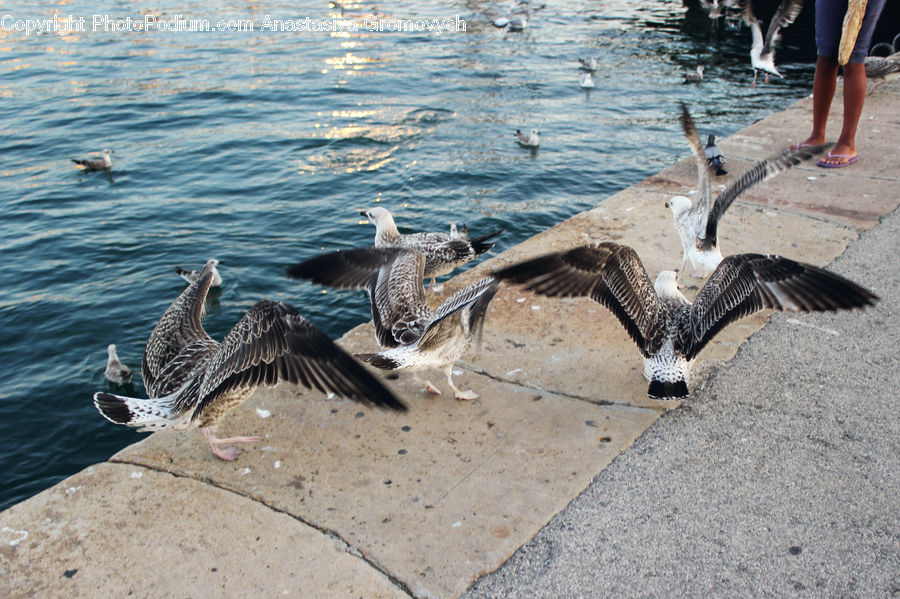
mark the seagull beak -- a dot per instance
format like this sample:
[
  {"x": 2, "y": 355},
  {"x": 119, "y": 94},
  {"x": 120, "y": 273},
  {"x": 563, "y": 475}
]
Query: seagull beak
[
  {"x": 668, "y": 205},
  {"x": 363, "y": 213}
]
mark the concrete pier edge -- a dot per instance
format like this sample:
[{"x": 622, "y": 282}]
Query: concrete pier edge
[{"x": 342, "y": 501}]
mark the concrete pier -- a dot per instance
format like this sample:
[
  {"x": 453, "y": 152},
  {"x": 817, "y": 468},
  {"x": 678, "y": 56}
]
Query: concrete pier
[{"x": 342, "y": 501}]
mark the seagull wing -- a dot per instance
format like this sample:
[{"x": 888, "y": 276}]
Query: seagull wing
[
  {"x": 759, "y": 172},
  {"x": 785, "y": 14},
  {"x": 476, "y": 297},
  {"x": 747, "y": 283},
  {"x": 701, "y": 204},
  {"x": 609, "y": 273},
  {"x": 178, "y": 328},
  {"x": 274, "y": 343}
]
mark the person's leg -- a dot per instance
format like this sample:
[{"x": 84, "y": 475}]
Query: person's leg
[
  {"x": 854, "y": 96},
  {"x": 824, "y": 84}
]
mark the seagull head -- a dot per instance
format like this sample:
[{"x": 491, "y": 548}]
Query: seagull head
[
  {"x": 666, "y": 285},
  {"x": 679, "y": 205},
  {"x": 111, "y": 350},
  {"x": 209, "y": 266},
  {"x": 377, "y": 215}
]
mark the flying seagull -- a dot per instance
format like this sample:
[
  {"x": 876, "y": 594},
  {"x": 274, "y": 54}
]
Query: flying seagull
[
  {"x": 411, "y": 334},
  {"x": 762, "y": 52},
  {"x": 443, "y": 253},
  {"x": 529, "y": 140},
  {"x": 192, "y": 275},
  {"x": 115, "y": 372},
  {"x": 697, "y": 222},
  {"x": 96, "y": 164},
  {"x": 193, "y": 380},
  {"x": 715, "y": 159},
  {"x": 668, "y": 329}
]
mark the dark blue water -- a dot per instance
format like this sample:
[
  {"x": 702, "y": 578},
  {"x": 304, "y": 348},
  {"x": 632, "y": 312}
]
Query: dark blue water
[{"x": 260, "y": 148}]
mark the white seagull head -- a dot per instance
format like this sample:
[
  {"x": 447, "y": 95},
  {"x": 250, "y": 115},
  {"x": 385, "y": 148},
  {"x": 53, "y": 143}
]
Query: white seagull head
[{"x": 679, "y": 205}]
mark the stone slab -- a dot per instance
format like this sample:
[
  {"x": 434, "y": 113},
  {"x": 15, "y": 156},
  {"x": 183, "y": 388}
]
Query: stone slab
[
  {"x": 436, "y": 496},
  {"x": 117, "y": 530}
]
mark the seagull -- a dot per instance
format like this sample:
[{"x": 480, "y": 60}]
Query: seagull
[
  {"x": 192, "y": 275},
  {"x": 586, "y": 81},
  {"x": 715, "y": 159},
  {"x": 668, "y": 329},
  {"x": 762, "y": 53},
  {"x": 516, "y": 22},
  {"x": 462, "y": 233},
  {"x": 193, "y": 380},
  {"x": 590, "y": 64},
  {"x": 443, "y": 254},
  {"x": 695, "y": 76},
  {"x": 531, "y": 140},
  {"x": 96, "y": 164},
  {"x": 880, "y": 68},
  {"x": 116, "y": 372},
  {"x": 697, "y": 222},
  {"x": 412, "y": 335}
]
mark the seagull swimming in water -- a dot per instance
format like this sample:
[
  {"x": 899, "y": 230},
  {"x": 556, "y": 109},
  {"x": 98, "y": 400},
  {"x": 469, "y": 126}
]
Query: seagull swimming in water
[
  {"x": 191, "y": 276},
  {"x": 715, "y": 159},
  {"x": 462, "y": 233},
  {"x": 586, "y": 81},
  {"x": 762, "y": 52},
  {"x": 668, "y": 329},
  {"x": 697, "y": 221},
  {"x": 443, "y": 253},
  {"x": 695, "y": 76},
  {"x": 590, "y": 64},
  {"x": 104, "y": 163},
  {"x": 193, "y": 380},
  {"x": 412, "y": 335},
  {"x": 530, "y": 140},
  {"x": 116, "y": 372}
]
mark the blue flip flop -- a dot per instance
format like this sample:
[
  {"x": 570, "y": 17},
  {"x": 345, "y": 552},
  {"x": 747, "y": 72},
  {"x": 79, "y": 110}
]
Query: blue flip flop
[{"x": 824, "y": 164}]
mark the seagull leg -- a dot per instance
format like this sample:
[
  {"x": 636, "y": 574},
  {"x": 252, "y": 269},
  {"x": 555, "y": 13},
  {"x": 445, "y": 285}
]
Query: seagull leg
[
  {"x": 430, "y": 388},
  {"x": 466, "y": 395},
  {"x": 229, "y": 453},
  {"x": 755, "y": 73}
]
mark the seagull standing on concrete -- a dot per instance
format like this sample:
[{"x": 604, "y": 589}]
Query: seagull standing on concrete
[
  {"x": 414, "y": 337},
  {"x": 697, "y": 222},
  {"x": 104, "y": 163},
  {"x": 193, "y": 380},
  {"x": 668, "y": 329},
  {"x": 878, "y": 69},
  {"x": 762, "y": 52},
  {"x": 115, "y": 372},
  {"x": 443, "y": 253}
]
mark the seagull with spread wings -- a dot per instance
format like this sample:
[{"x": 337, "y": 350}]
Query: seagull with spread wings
[
  {"x": 668, "y": 329},
  {"x": 413, "y": 335},
  {"x": 762, "y": 51},
  {"x": 193, "y": 380},
  {"x": 697, "y": 221}
]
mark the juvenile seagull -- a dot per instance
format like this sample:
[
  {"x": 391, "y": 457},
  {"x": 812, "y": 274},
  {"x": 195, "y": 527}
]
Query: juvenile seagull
[
  {"x": 412, "y": 335},
  {"x": 668, "y": 329},
  {"x": 529, "y": 140},
  {"x": 586, "y": 81},
  {"x": 96, "y": 164},
  {"x": 191, "y": 276},
  {"x": 116, "y": 372},
  {"x": 443, "y": 253},
  {"x": 880, "y": 68},
  {"x": 193, "y": 380},
  {"x": 694, "y": 76},
  {"x": 715, "y": 159},
  {"x": 697, "y": 222},
  {"x": 762, "y": 52}
]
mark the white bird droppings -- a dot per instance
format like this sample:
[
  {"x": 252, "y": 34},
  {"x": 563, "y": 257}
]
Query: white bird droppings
[
  {"x": 278, "y": 463},
  {"x": 263, "y": 413},
  {"x": 456, "y": 524},
  {"x": 246, "y": 471},
  {"x": 137, "y": 474}
]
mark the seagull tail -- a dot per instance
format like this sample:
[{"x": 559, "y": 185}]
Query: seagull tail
[
  {"x": 379, "y": 361},
  {"x": 480, "y": 244},
  {"x": 148, "y": 414},
  {"x": 668, "y": 389}
]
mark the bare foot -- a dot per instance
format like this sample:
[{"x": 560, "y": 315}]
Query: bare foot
[{"x": 431, "y": 388}]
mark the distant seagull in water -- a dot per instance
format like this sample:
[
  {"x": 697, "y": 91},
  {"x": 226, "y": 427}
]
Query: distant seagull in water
[
  {"x": 193, "y": 380},
  {"x": 412, "y": 335},
  {"x": 697, "y": 222},
  {"x": 589, "y": 64},
  {"x": 516, "y": 22},
  {"x": 116, "y": 372},
  {"x": 443, "y": 254},
  {"x": 462, "y": 233},
  {"x": 668, "y": 329},
  {"x": 191, "y": 276},
  {"x": 762, "y": 52},
  {"x": 586, "y": 81},
  {"x": 715, "y": 159},
  {"x": 694, "y": 76},
  {"x": 530, "y": 140},
  {"x": 96, "y": 164}
]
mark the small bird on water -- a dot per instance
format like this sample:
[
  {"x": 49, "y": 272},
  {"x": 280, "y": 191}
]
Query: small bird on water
[
  {"x": 96, "y": 164},
  {"x": 116, "y": 372},
  {"x": 529, "y": 140}
]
